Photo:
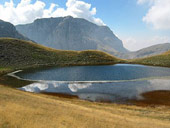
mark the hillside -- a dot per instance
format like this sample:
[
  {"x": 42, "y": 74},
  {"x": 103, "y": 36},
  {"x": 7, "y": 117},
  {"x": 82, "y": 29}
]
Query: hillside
[
  {"x": 20, "y": 109},
  {"x": 70, "y": 33},
  {"x": 157, "y": 60},
  {"x": 16, "y": 53},
  {"x": 8, "y": 30},
  {"x": 146, "y": 52}
]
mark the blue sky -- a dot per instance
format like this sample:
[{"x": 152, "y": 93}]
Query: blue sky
[{"x": 124, "y": 17}]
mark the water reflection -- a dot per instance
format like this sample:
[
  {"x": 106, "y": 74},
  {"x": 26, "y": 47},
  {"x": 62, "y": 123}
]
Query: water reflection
[
  {"x": 104, "y": 92},
  {"x": 75, "y": 87}
]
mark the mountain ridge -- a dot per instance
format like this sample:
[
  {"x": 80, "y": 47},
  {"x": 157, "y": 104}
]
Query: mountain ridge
[{"x": 146, "y": 52}]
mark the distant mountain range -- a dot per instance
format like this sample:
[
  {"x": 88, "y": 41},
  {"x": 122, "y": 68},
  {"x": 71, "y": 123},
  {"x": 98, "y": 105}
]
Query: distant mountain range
[
  {"x": 156, "y": 60},
  {"x": 8, "y": 30},
  {"x": 145, "y": 52},
  {"x": 70, "y": 33}
]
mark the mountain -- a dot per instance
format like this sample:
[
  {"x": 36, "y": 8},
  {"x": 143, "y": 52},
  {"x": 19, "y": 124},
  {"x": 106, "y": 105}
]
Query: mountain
[
  {"x": 8, "y": 30},
  {"x": 70, "y": 33},
  {"x": 146, "y": 52}
]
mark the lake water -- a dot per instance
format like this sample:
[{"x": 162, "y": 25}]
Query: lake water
[{"x": 112, "y": 83}]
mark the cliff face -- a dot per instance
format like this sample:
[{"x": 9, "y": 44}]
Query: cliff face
[
  {"x": 70, "y": 33},
  {"x": 8, "y": 30}
]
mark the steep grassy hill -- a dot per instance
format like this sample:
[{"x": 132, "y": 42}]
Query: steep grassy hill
[
  {"x": 16, "y": 54},
  {"x": 158, "y": 60}
]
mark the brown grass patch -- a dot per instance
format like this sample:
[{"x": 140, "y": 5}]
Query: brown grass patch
[
  {"x": 62, "y": 95},
  {"x": 154, "y": 98}
]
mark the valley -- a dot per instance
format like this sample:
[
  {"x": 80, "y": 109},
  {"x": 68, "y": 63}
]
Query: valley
[{"x": 77, "y": 74}]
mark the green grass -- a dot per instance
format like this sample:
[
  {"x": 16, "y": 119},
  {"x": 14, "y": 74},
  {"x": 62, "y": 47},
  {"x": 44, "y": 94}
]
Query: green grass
[
  {"x": 19, "y": 54},
  {"x": 158, "y": 60},
  {"x": 4, "y": 70}
]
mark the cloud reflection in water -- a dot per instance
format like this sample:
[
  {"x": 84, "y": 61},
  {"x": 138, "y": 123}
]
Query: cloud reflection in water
[{"x": 104, "y": 91}]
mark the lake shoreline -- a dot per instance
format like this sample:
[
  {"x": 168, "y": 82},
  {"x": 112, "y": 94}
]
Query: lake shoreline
[
  {"x": 151, "y": 99},
  {"x": 148, "y": 101}
]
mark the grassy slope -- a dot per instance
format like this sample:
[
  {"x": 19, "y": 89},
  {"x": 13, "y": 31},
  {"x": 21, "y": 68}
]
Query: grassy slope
[
  {"x": 16, "y": 53},
  {"x": 158, "y": 60},
  {"x": 24, "y": 110}
]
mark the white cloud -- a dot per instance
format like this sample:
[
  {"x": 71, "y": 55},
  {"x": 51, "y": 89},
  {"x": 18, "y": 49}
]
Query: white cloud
[
  {"x": 27, "y": 12},
  {"x": 134, "y": 44},
  {"x": 158, "y": 14},
  {"x": 75, "y": 87},
  {"x": 24, "y": 12},
  {"x": 78, "y": 9}
]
